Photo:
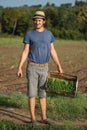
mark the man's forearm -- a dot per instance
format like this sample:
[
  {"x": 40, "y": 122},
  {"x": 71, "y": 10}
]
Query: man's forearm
[
  {"x": 23, "y": 55},
  {"x": 22, "y": 60},
  {"x": 56, "y": 59}
]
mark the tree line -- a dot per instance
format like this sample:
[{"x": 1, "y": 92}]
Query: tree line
[{"x": 66, "y": 22}]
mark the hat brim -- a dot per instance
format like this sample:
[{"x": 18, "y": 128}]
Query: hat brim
[{"x": 38, "y": 17}]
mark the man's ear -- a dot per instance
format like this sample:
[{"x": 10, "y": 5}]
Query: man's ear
[{"x": 44, "y": 21}]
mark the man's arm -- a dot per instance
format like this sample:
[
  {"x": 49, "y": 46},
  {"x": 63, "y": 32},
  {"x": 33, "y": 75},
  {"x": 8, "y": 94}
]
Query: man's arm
[
  {"x": 22, "y": 59},
  {"x": 55, "y": 58}
]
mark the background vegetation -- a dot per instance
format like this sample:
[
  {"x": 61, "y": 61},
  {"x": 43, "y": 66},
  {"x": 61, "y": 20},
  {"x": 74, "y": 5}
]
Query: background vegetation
[{"x": 66, "y": 21}]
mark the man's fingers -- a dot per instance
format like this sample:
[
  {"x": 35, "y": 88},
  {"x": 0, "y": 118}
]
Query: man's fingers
[{"x": 19, "y": 75}]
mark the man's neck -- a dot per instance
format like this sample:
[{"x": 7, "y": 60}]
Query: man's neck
[{"x": 40, "y": 29}]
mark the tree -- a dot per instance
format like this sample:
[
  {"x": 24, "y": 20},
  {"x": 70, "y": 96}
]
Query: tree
[
  {"x": 82, "y": 20},
  {"x": 51, "y": 13},
  {"x": 65, "y": 22},
  {"x": 12, "y": 18},
  {"x": 1, "y": 10},
  {"x": 9, "y": 20}
]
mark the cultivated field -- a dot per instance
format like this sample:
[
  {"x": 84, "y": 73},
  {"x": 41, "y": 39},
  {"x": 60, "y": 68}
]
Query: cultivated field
[{"x": 72, "y": 55}]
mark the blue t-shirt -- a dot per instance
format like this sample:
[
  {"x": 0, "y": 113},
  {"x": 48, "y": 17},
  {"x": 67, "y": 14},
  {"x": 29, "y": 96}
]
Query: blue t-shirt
[{"x": 39, "y": 51}]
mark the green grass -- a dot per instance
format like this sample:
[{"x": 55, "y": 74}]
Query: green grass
[
  {"x": 11, "y": 41},
  {"x": 9, "y": 125},
  {"x": 13, "y": 100},
  {"x": 58, "y": 107},
  {"x": 65, "y": 108},
  {"x": 17, "y": 41},
  {"x": 60, "y": 41}
]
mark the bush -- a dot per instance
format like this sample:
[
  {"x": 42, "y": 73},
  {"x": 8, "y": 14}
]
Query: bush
[{"x": 70, "y": 34}]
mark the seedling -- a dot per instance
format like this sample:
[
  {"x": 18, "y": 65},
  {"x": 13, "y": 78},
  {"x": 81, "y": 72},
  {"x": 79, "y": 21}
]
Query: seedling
[{"x": 64, "y": 84}]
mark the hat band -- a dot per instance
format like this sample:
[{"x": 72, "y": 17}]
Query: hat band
[{"x": 39, "y": 15}]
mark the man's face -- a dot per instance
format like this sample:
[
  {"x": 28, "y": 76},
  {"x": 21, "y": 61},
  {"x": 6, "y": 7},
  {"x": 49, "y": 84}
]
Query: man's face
[{"x": 38, "y": 22}]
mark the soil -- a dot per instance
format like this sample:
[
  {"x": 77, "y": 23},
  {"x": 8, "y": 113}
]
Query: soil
[{"x": 73, "y": 58}]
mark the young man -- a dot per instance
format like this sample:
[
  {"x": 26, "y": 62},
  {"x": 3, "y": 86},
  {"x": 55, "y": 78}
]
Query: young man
[{"x": 38, "y": 46}]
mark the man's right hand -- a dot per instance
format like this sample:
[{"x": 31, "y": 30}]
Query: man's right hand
[{"x": 20, "y": 73}]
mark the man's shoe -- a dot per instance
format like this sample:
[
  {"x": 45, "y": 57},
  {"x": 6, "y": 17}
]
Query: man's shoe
[
  {"x": 48, "y": 121},
  {"x": 33, "y": 122}
]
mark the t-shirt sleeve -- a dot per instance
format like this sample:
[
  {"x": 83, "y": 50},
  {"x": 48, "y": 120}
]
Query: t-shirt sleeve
[
  {"x": 52, "y": 38},
  {"x": 26, "y": 38}
]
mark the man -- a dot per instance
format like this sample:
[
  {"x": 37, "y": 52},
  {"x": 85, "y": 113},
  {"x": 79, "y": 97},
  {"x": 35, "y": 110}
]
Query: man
[{"x": 38, "y": 46}]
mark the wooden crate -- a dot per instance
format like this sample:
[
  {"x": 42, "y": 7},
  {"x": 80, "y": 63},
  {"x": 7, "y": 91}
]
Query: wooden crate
[{"x": 62, "y": 84}]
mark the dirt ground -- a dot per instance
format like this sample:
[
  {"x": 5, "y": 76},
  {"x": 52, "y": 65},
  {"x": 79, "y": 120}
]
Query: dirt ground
[{"x": 73, "y": 58}]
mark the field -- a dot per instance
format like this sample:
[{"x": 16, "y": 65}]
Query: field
[{"x": 72, "y": 55}]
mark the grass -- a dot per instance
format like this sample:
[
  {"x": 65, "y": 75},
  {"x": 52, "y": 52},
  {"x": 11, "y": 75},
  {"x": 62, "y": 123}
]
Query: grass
[
  {"x": 58, "y": 107},
  {"x": 9, "y": 125},
  {"x": 60, "y": 41},
  {"x": 11, "y": 41},
  {"x": 65, "y": 108},
  {"x": 17, "y": 41},
  {"x": 13, "y": 100}
]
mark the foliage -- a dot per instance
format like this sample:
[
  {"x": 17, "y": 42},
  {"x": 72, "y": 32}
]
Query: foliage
[
  {"x": 82, "y": 20},
  {"x": 14, "y": 21},
  {"x": 65, "y": 22},
  {"x": 60, "y": 85}
]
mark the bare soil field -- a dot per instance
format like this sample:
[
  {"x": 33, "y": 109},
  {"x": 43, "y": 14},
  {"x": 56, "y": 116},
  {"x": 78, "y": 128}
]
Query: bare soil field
[{"x": 73, "y": 58}]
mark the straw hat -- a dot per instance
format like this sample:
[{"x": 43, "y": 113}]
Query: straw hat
[{"x": 39, "y": 14}]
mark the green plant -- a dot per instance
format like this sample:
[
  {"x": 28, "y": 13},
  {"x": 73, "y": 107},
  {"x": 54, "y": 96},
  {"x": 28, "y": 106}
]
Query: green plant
[{"x": 56, "y": 85}]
